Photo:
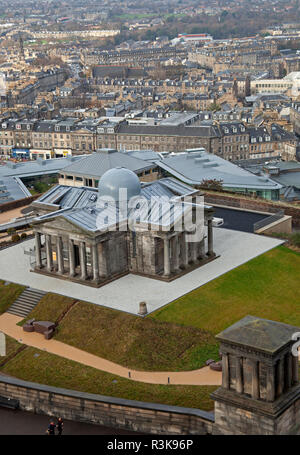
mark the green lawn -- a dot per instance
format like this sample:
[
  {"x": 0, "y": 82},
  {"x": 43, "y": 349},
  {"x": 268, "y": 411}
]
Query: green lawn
[
  {"x": 50, "y": 308},
  {"x": 176, "y": 337},
  {"x": 267, "y": 286},
  {"x": 12, "y": 347},
  {"x": 8, "y": 294},
  {"x": 44, "y": 368},
  {"x": 143, "y": 344}
]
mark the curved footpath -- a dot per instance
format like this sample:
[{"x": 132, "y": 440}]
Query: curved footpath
[{"x": 203, "y": 376}]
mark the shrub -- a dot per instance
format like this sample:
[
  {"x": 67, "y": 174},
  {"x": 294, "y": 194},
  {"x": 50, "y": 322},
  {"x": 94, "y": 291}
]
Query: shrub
[
  {"x": 23, "y": 235},
  {"x": 11, "y": 231},
  {"x": 295, "y": 239},
  {"x": 211, "y": 184},
  {"x": 15, "y": 238}
]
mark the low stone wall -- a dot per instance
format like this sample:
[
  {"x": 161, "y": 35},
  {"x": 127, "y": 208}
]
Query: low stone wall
[
  {"x": 253, "y": 204},
  {"x": 283, "y": 226},
  {"x": 19, "y": 203},
  {"x": 148, "y": 418}
]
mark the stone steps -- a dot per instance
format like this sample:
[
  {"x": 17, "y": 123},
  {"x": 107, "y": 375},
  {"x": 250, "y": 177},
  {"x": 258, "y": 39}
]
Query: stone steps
[{"x": 26, "y": 302}]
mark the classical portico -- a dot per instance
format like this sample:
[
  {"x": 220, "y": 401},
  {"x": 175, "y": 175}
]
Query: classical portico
[{"x": 73, "y": 245}]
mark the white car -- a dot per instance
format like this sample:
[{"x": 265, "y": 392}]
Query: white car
[{"x": 217, "y": 222}]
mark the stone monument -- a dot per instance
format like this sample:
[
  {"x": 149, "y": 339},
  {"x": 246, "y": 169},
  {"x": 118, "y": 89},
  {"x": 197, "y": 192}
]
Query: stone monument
[{"x": 260, "y": 392}]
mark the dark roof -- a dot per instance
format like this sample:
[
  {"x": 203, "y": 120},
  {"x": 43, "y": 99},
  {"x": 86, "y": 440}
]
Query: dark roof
[
  {"x": 96, "y": 164},
  {"x": 260, "y": 334},
  {"x": 201, "y": 131}
]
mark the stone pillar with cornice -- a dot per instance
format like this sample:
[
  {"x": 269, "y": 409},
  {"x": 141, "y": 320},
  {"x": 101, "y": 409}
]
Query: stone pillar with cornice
[{"x": 260, "y": 392}]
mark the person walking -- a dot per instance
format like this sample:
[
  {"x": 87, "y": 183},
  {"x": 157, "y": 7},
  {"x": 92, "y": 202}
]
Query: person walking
[
  {"x": 60, "y": 425},
  {"x": 51, "y": 428}
]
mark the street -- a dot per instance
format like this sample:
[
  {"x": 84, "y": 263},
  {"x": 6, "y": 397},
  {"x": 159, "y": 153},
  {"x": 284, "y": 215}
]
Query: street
[{"x": 27, "y": 423}]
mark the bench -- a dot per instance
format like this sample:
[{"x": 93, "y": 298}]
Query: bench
[
  {"x": 46, "y": 328},
  {"x": 9, "y": 403}
]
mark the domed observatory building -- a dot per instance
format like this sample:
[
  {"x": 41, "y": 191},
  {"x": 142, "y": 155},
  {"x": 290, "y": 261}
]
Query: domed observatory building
[{"x": 94, "y": 236}]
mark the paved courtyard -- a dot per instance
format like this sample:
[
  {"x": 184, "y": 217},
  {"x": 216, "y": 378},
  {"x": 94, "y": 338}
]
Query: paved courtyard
[{"x": 234, "y": 247}]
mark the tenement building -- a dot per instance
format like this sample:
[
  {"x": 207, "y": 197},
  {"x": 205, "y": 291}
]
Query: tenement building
[{"x": 93, "y": 236}]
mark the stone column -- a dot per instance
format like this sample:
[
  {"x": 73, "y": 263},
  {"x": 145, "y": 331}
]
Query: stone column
[
  {"x": 184, "y": 250},
  {"x": 194, "y": 252},
  {"x": 202, "y": 249},
  {"x": 288, "y": 371},
  {"x": 167, "y": 268},
  {"x": 225, "y": 371},
  {"x": 49, "y": 253},
  {"x": 255, "y": 380},
  {"x": 239, "y": 375},
  {"x": 71, "y": 258},
  {"x": 95, "y": 263},
  {"x": 176, "y": 254},
  {"x": 210, "y": 250},
  {"x": 270, "y": 383},
  {"x": 38, "y": 253},
  {"x": 280, "y": 377},
  {"x": 60, "y": 258},
  {"x": 82, "y": 257},
  {"x": 103, "y": 261},
  {"x": 295, "y": 373}
]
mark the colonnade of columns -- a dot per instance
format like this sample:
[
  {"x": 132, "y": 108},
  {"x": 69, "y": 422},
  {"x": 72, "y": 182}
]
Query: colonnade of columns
[
  {"x": 99, "y": 264},
  {"x": 179, "y": 252},
  {"x": 280, "y": 376}
]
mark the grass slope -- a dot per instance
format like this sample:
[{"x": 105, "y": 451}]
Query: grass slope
[
  {"x": 12, "y": 346},
  {"x": 267, "y": 286},
  {"x": 50, "y": 308},
  {"x": 8, "y": 294},
  {"x": 134, "y": 342},
  {"x": 44, "y": 368}
]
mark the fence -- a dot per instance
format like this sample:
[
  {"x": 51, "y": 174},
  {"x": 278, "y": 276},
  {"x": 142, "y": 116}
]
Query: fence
[{"x": 266, "y": 221}]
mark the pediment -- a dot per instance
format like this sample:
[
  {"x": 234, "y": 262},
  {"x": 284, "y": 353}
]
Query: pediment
[{"x": 60, "y": 223}]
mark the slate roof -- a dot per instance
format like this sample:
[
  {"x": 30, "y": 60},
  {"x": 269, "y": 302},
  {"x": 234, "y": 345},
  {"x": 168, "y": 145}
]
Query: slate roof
[
  {"x": 201, "y": 131},
  {"x": 147, "y": 155},
  {"x": 11, "y": 185},
  {"x": 12, "y": 189},
  {"x": 37, "y": 167},
  {"x": 193, "y": 167},
  {"x": 81, "y": 207},
  {"x": 260, "y": 334},
  {"x": 96, "y": 164}
]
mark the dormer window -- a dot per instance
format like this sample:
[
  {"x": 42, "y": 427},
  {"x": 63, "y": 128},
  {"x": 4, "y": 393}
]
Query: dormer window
[{"x": 57, "y": 128}]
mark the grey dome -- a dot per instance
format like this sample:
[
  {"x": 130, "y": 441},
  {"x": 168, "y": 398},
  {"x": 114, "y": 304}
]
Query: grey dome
[{"x": 117, "y": 178}]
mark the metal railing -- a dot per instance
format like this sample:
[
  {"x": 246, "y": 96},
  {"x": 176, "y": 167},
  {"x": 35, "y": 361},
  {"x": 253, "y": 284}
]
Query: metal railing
[{"x": 269, "y": 220}]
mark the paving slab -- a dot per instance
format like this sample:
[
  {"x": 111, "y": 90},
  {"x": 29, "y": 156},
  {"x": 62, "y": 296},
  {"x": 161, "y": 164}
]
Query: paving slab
[{"x": 234, "y": 247}]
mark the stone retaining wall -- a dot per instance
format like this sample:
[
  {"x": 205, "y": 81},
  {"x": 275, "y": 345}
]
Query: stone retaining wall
[
  {"x": 19, "y": 203},
  {"x": 148, "y": 418}
]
